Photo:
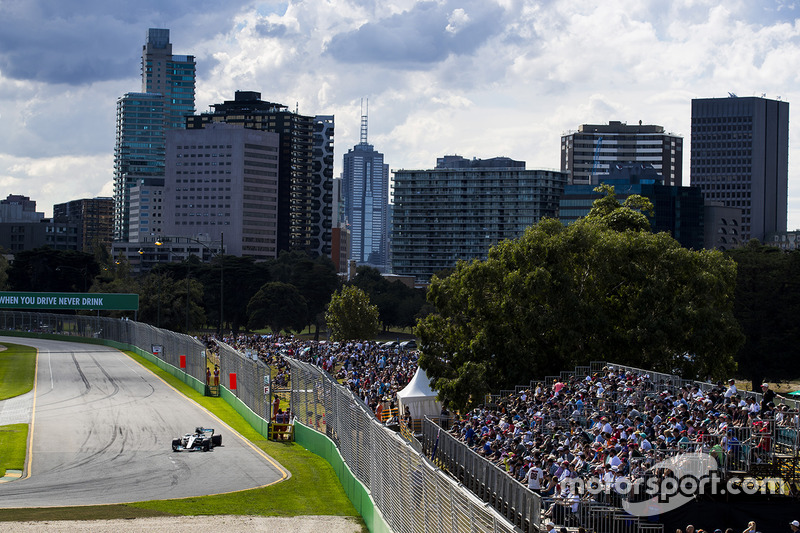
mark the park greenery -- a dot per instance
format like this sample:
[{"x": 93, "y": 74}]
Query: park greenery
[
  {"x": 350, "y": 316},
  {"x": 603, "y": 288},
  {"x": 766, "y": 306},
  {"x": 288, "y": 293}
]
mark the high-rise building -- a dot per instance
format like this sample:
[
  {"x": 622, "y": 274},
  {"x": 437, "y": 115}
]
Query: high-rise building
[
  {"x": 676, "y": 210},
  {"x": 459, "y": 211},
  {"x": 147, "y": 208},
  {"x": 94, "y": 218},
  {"x": 322, "y": 216},
  {"x": 365, "y": 178},
  {"x": 172, "y": 76},
  {"x": 722, "y": 226},
  {"x": 167, "y": 97},
  {"x": 138, "y": 152},
  {"x": 587, "y": 154},
  {"x": 340, "y": 233},
  {"x": 224, "y": 179},
  {"x": 740, "y": 157},
  {"x": 305, "y": 166}
]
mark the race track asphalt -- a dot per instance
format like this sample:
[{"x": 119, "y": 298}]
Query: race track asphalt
[{"x": 102, "y": 432}]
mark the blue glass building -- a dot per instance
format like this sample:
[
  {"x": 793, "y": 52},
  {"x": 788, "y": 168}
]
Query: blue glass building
[{"x": 677, "y": 210}]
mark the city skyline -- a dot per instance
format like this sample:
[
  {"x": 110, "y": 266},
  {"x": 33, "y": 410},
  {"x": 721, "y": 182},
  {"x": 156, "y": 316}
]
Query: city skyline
[{"x": 481, "y": 79}]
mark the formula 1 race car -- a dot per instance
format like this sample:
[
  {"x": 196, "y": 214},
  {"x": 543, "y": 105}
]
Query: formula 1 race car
[{"x": 202, "y": 439}]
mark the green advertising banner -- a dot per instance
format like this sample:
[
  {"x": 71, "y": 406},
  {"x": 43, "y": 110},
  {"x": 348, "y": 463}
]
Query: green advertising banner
[{"x": 69, "y": 300}]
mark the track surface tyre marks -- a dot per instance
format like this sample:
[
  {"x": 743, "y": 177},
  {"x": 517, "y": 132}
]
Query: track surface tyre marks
[{"x": 102, "y": 433}]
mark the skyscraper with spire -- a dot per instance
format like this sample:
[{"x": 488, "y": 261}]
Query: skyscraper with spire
[{"x": 365, "y": 180}]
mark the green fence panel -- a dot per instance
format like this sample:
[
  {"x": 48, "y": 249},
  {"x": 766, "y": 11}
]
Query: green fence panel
[{"x": 321, "y": 445}]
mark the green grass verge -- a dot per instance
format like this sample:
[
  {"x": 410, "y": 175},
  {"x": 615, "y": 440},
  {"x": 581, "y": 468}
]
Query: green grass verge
[
  {"x": 17, "y": 368},
  {"x": 313, "y": 488},
  {"x": 13, "y": 445}
]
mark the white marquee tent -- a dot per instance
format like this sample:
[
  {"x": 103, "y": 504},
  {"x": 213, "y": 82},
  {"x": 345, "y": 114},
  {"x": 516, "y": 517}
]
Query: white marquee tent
[{"x": 419, "y": 398}]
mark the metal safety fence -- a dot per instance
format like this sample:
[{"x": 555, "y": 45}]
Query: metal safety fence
[
  {"x": 164, "y": 344},
  {"x": 523, "y": 507},
  {"x": 486, "y": 480},
  {"x": 411, "y": 493},
  {"x": 247, "y": 377}
]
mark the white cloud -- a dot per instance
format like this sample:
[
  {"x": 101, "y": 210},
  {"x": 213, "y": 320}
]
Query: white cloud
[
  {"x": 476, "y": 77},
  {"x": 457, "y": 20}
]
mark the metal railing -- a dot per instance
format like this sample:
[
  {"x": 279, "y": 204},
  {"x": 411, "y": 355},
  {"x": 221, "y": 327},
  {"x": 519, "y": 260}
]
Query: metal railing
[
  {"x": 523, "y": 507},
  {"x": 252, "y": 378},
  {"x": 486, "y": 480},
  {"x": 411, "y": 493}
]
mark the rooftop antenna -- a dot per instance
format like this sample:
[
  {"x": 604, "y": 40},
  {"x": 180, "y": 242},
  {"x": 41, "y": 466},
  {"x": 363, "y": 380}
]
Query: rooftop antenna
[
  {"x": 364, "y": 119},
  {"x": 297, "y": 108}
]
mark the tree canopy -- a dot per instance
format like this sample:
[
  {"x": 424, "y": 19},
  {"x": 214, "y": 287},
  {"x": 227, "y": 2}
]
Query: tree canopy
[
  {"x": 766, "y": 306},
  {"x": 350, "y": 315},
  {"x": 315, "y": 278},
  {"x": 398, "y": 305},
  {"x": 279, "y": 306},
  {"x": 48, "y": 270},
  {"x": 603, "y": 288}
]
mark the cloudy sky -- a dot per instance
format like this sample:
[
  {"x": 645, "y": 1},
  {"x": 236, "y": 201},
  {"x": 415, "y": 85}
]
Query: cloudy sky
[{"x": 480, "y": 78}]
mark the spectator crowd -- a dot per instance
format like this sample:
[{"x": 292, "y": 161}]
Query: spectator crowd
[
  {"x": 608, "y": 427},
  {"x": 373, "y": 371}
]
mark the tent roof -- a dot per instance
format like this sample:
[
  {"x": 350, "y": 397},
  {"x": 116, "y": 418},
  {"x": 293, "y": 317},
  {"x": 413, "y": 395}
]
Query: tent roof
[{"x": 418, "y": 387}]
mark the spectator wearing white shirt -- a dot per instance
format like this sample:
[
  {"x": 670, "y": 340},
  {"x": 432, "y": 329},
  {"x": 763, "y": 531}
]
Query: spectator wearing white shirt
[{"x": 731, "y": 390}]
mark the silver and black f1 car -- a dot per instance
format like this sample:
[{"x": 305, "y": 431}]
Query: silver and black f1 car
[{"x": 202, "y": 439}]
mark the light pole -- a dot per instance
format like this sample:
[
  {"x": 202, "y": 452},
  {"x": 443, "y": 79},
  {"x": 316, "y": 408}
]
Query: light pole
[
  {"x": 84, "y": 271},
  {"x": 220, "y": 254}
]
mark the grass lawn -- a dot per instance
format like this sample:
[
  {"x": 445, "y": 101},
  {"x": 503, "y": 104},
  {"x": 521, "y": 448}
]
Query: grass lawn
[
  {"x": 313, "y": 488},
  {"x": 13, "y": 443},
  {"x": 17, "y": 368}
]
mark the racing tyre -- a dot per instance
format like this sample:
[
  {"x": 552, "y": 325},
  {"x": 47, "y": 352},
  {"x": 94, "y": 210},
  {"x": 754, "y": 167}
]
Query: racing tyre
[
  {"x": 206, "y": 446},
  {"x": 216, "y": 440},
  {"x": 175, "y": 444}
]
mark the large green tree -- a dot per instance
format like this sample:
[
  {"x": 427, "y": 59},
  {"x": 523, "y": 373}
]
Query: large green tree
[
  {"x": 279, "y": 306},
  {"x": 350, "y": 315},
  {"x": 767, "y": 305},
  {"x": 603, "y": 288},
  {"x": 4, "y": 266},
  {"x": 241, "y": 278},
  {"x": 316, "y": 280},
  {"x": 48, "y": 270},
  {"x": 165, "y": 301},
  {"x": 398, "y": 304}
]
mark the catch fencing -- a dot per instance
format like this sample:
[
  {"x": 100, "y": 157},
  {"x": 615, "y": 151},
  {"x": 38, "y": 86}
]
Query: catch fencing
[
  {"x": 252, "y": 384},
  {"x": 164, "y": 344},
  {"x": 412, "y": 494}
]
